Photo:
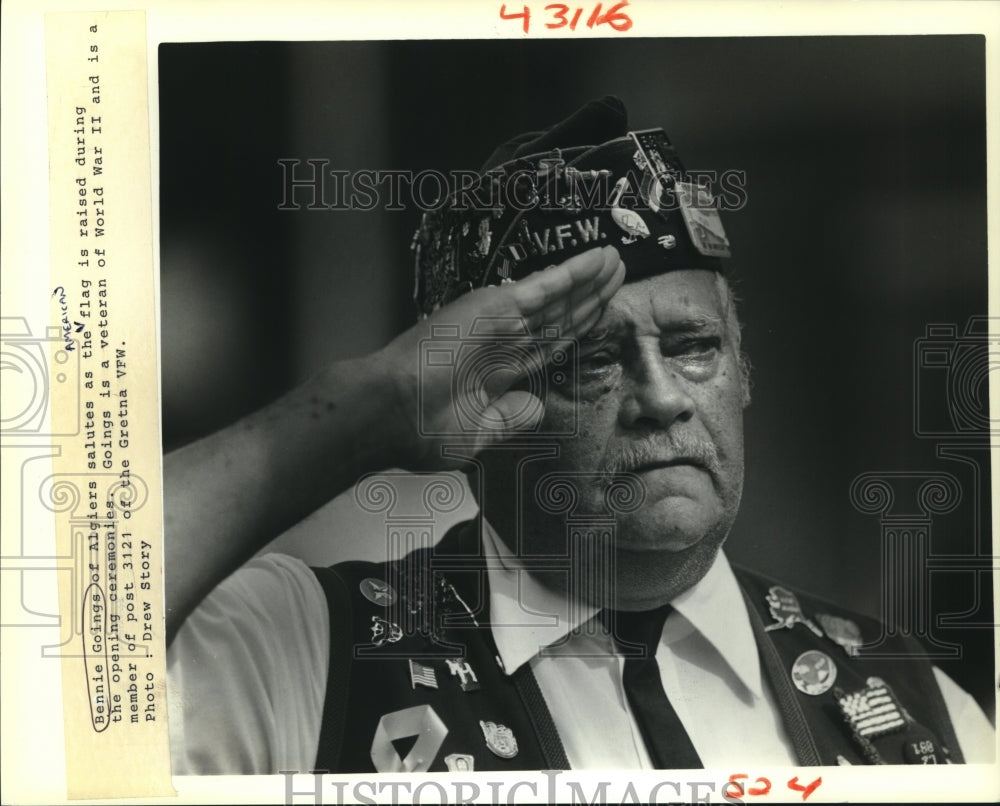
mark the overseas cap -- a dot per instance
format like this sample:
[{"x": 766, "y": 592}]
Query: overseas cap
[{"x": 543, "y": 197}]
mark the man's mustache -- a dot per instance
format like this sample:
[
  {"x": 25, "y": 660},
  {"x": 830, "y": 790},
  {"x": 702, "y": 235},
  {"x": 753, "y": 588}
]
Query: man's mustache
[{"x": 677, "y": 448}]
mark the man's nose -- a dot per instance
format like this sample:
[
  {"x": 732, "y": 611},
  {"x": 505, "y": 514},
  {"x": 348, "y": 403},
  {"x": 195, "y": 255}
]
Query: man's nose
[{"x": 657, "y": 396}]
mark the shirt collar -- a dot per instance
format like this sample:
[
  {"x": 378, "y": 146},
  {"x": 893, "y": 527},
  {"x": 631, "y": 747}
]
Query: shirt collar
[{"x": 526, "y": 616}]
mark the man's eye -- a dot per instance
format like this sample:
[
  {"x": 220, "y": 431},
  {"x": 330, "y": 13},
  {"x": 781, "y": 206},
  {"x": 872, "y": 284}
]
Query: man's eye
[
  {"x": 694, "y": 348},
  {"x": 598, "y": 359}
]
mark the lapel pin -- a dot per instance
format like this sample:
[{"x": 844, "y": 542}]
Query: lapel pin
[
  {"x": 460, "y": 762},
  {"x": 814, "y": 672},
  {"x": 420, "y": 721},
  {"x": 378, "y": 592},
  {"x": 463, "y": 671},
  {"x": 499, "y": 739},
  {"x": 385, "y": 632},
  {"x": 423, "y": 675},
  {"x": 843, "y": 631},
  {"x": 786, "y": 611}
]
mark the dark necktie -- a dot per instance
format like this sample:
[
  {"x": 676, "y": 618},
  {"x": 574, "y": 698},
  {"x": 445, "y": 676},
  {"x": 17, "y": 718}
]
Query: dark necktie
[{"x": 666, "y": 740}]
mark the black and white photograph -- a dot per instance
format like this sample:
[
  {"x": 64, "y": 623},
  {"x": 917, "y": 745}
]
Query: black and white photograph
[{"x": 617, "y": 404}]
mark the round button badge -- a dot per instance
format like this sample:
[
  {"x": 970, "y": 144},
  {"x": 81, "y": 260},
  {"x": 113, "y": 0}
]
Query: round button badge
[{"x": 814, "y": 672}]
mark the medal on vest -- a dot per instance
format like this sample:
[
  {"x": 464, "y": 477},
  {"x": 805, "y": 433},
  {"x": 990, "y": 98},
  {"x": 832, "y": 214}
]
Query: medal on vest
[
  {"x": 499, "y": 739},
  {"x": 385, "y": 632},
  {"x": 466, "y": 677},
  {"x": 871, "y": 712},
  {"x": 814, "y": 672},
  {"x": 786, "y": 611},
  {"x": 459, "y": 762},
  {"x": 378, "y": 592},
  {"x": 422, "y": 675},
  {"x": 843, "y": 631},
  {"x": 420, "y": 721}
]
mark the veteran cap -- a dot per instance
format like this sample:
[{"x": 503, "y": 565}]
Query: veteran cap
[{"x": 543, "y": 197}]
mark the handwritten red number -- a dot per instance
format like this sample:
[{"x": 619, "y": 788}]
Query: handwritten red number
[
  {"x": 763, "y": 789},
  {"x": 615, "y": 17},
  {"x": 524, "y": 15},
  {"x": 592, "y": 21},
  {"x": 576, "y": 19},
  {"x": 805, "y": 790},
  {"x": 559, "y": 14},
  {"x": 729, "y": 794}
]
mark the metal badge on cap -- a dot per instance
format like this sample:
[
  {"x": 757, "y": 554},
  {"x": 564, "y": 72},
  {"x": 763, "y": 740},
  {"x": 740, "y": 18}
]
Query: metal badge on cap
[
  {"x": 814, "y": 672},
  {"x": 499, "y": 739},
  {"x": 787, "y": 611},
  {"x": 702, "y": 219},
  {"x": 843, "y": 631}
]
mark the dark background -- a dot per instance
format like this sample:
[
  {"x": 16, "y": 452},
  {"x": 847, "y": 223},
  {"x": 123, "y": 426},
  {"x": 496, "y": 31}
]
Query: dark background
[{"x": 865, "y": 223}]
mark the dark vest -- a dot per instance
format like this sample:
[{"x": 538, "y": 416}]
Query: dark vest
[{"x": 382, "y": 647}]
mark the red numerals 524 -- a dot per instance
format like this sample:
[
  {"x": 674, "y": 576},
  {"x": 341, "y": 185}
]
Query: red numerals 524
[{"x": 560, "y": 15}]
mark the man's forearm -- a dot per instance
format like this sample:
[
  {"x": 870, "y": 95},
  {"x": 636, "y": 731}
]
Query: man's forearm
[{"x": 231, "y": 493}]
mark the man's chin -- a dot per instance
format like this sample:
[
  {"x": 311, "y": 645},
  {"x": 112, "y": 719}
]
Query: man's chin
[
  {"x": 649, "y": 579},
  {"x": 674, "y": 524},
  {"x": 658, "y": 557}
]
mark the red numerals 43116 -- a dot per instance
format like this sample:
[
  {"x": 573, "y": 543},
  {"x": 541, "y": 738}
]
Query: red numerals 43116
[{"x": 560, "y": 15}]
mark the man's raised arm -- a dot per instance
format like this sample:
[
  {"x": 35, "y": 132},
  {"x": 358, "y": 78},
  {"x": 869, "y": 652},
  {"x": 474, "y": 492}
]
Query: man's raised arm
[{"x": 229, "y": 494}]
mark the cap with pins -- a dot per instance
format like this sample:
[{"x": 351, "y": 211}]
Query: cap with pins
[{"x": 543, "y": 197}]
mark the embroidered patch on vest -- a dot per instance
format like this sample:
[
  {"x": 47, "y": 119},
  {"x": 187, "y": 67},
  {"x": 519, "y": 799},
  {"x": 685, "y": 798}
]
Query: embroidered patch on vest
[{"x": 870, "y": 713}]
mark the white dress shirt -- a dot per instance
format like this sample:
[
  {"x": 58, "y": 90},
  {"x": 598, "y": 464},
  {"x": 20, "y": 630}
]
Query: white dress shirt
[
  {"x": 708, "y": 664},
  {"x": 247, "y": 674}
]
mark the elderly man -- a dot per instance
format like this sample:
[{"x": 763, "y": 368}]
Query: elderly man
[{"x": 579, "y": 357}]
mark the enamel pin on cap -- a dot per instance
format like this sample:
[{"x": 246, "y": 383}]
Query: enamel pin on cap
[
  {"x": 814, "y": 672},
  {"x": 377, "y": 592},
  {"x": 499, "y": 739},
  {"x": 786, "y": 611},
  {"x": 843, "y": 631}
]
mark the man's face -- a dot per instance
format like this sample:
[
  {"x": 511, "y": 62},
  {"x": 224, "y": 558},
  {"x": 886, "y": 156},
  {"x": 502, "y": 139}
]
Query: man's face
[{"x": 659, "y": 394}]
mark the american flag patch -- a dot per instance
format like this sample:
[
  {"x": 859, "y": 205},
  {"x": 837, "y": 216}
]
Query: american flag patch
[
  {"x": 422, "y": 675},
  {"x": 873, "y": 711}
]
